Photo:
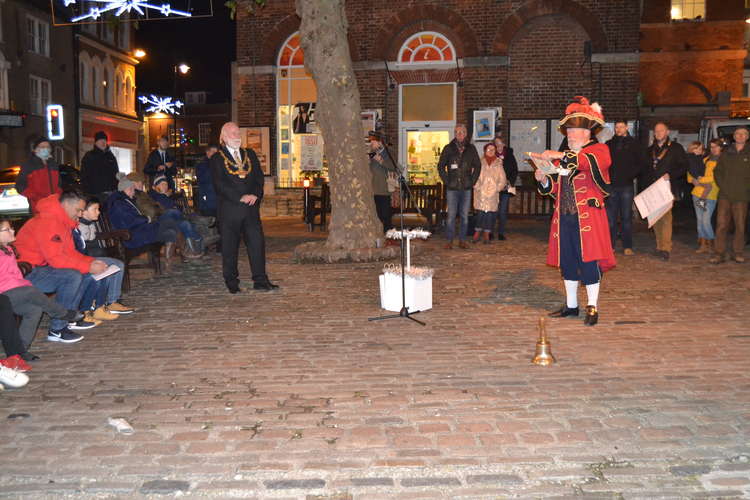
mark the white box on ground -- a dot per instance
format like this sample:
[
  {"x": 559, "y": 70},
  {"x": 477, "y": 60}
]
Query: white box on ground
[{"x": 418, "y": 293}]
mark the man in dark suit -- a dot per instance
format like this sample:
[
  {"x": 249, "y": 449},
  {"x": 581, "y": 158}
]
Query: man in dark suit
[
  {"x": 505, "y": 153},
  {"x": 161, "y": 162},
  {"x": 238, "y": 181}
]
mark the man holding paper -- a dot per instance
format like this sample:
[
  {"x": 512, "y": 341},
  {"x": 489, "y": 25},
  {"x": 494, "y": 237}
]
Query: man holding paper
[
  {"x": 578, "y": 179},
  {"x": 668, "y": 161}
]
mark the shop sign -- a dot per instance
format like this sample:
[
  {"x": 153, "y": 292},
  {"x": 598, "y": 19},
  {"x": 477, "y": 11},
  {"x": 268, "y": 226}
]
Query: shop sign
[{"x": 11, "y": 120}]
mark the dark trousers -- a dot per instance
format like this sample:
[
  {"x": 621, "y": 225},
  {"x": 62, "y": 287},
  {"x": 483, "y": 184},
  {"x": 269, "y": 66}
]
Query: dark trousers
[
  {"x": 572, "y": 266},
  {"x": 9, "y": 335},
  {"x": 502, "y": 211},
  {"x": 619, "y": 204},
  {"x": 239, "y": 221},
  {"x": 383, "y": 208}
]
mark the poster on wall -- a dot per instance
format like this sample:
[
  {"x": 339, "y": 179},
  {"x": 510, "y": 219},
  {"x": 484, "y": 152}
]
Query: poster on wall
[
  {"x": 303, "y": 118},
  {"x": 258, "y": 138},
  {"x": 311, "y": 153},
  {"x": 371, "y": 120},
  {"x": 484, "y": 124},
  {"x": 525, "y": 136}
]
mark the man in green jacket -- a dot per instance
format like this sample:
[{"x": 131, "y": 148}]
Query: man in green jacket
[{"x": 732, "y": 175}]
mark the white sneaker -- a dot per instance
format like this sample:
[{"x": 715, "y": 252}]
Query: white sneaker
[{"x": 12, "y": 378}]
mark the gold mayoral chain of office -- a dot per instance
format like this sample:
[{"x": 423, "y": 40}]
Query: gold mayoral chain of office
[{"x": 229, "y": 166}]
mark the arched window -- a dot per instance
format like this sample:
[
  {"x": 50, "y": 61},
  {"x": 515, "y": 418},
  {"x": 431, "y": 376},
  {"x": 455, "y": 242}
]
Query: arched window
[
  {"x": 119, "y": 92},
  {"x": 291, "y": 53},
  {"x": 427, "y": 47},
  {"x": 84, "y": 70},
  {"x": 108, "y": 85},
  {"x": 129, "y": 93},
  {"x": 96, "y": 81},
  {"x": 296, "y": 95}
]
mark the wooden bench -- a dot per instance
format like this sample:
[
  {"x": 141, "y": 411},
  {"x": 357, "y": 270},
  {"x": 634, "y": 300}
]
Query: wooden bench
[
  {"x": 529, "y": 203},
  {"x": 112, "y": 240},
  {"x": 430, "y": 200}
]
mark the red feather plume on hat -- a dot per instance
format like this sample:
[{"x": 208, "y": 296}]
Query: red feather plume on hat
[{"x": 581, "y": 114}]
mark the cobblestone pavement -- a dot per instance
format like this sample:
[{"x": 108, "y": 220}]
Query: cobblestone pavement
[{"x": 294, "y": 394}]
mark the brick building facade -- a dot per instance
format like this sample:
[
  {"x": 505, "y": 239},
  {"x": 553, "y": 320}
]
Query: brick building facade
[
  {"x": 527, "y": 57},
  {"x": 691, "y": 64},
  {"x": 36, "y": 69}
]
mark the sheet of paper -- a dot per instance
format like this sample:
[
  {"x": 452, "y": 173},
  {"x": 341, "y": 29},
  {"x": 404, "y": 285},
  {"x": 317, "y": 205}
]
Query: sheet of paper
[
  {"x": 654, "y": 201},
  {"x": 112, "y": 269},
  {"x": 545, "y": 166}
]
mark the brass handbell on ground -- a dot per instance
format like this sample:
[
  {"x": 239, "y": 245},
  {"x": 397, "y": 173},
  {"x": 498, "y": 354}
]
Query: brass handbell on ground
[{"x": 543, "y": 355}]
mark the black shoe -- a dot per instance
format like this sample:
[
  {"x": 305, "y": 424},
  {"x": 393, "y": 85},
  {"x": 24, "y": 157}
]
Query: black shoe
[
  {"x": 564, "y": 312},
  {"x": 501, "y": 237},
  {"x": 592, "y": 316},
  {"x": 664, "y": 255},
  {"x": 27, "y": 356},
  {"x": 234, "y": 289},
  {"x": 265, "y": 286}
]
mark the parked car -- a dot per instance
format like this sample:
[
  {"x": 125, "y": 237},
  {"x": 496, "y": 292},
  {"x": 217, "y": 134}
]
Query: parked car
[{"x": 11, "y": 201}]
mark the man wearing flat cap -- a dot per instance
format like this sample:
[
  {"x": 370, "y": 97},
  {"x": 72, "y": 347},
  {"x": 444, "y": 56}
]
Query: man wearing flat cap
[
  {"x": 579, "y": 242},
  {"x": 381, "y": 165}
]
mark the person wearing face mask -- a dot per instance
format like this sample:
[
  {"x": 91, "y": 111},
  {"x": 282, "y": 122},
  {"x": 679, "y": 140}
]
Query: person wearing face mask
[
  {"x": 40, "y": 174},
  {"x": 579, "y": 242},
  {"x": 238, "y": 181}
]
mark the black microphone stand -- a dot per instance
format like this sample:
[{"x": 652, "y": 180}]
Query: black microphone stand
[{"x": 403, "y": 193}]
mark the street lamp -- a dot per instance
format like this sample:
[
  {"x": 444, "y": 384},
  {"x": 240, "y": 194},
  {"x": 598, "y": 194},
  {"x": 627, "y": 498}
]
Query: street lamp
[
  {"x": 139, "y": 53},
  {"x": 179, "y": 69}
]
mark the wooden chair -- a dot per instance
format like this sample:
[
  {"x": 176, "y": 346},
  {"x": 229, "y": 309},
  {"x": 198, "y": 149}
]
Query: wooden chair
[
  {"x": 112, "y": 241},
  {"x": 318, "y": 206}
]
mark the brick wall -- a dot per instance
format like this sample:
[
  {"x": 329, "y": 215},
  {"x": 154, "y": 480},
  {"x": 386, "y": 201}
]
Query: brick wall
[{"x": 543, "y": 40}]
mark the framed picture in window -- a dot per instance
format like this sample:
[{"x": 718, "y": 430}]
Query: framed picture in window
[
  {"x": 484, "y": 124},
  {"x": 259, "y": 139}
]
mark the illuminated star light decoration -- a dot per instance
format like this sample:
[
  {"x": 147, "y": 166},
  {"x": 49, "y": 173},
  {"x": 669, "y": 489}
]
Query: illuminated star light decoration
[
  {"x": 122, "y": 6},
  {"x": 158, "y": 104}
]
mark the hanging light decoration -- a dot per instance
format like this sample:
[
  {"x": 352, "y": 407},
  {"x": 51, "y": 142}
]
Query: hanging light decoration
[{"x": 120, "y": 7}]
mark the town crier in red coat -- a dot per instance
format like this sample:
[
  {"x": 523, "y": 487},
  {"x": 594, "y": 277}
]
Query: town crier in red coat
[{"x": 579, "y": 241}]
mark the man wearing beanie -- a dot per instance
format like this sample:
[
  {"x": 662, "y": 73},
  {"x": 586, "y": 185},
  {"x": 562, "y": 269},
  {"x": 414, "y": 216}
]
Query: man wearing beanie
[
  {"x": 99, "y": 169},
  {"x": 40, "y": 174},
  {"x": 579, "y": 242}
]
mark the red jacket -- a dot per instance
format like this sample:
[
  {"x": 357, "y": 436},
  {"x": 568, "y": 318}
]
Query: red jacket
[
  {"x": 47, "y": 239},
  {"x": 38, "y": 179},
  {"x": 589, "y": 182}
]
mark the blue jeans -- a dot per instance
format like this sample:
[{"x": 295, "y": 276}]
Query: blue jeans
[
  {"x": 458, "y": 204},
  {"x": 64, "y": 283},
  {"x": 485, "y": 221},
  {"x": 703, "y": 216},
  {"x": 502, "y": 211},
  {"x": 620, "y": 203},
  {"x": 185, "y": 226},
  {"x": 105, "y": 291}
]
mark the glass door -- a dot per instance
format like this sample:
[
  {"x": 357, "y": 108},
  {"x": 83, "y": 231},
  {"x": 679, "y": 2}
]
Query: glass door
[{"x": 421, "y": 149}]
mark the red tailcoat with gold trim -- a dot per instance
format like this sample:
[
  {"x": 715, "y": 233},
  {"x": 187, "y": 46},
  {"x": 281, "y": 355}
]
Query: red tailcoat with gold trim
[{"x": 590, "y": 183}]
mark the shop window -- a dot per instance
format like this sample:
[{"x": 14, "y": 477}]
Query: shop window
[
  {"x": 427, "y": 47},
  {"x": 688, "y": 10},
  {"x": 296, "y": 95}
]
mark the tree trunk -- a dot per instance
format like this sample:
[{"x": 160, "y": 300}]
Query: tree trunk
[{"x": 354, "y": 224}]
